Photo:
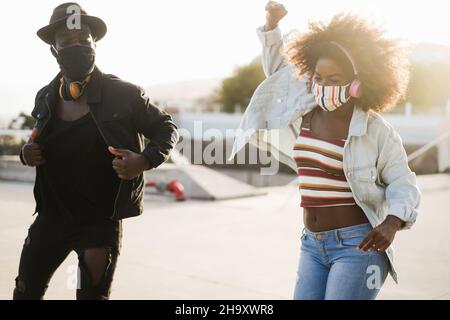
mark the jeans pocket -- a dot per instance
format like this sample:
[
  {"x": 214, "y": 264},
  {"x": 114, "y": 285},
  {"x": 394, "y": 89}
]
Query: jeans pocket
[{"x": 351, "y": 241}]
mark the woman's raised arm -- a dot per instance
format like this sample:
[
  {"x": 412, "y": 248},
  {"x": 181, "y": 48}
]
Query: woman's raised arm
[{"x": 271, "y": 39}]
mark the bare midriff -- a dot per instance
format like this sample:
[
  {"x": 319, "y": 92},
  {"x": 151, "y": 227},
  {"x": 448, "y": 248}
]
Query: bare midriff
[{"x": 318, "y": 219}]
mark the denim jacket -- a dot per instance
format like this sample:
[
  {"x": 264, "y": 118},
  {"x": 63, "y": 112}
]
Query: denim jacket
[{"x": 374, "y": 161}]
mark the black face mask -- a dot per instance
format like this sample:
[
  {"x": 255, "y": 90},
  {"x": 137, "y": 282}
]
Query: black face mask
[{"x": 76, "y": 62}]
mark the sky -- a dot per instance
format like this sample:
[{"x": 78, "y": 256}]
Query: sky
[{"x": 152, "y": 42}]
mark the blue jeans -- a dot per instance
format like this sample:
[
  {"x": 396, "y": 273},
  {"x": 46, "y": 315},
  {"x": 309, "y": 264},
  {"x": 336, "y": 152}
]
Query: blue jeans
[{"x": 331, "y": 267}]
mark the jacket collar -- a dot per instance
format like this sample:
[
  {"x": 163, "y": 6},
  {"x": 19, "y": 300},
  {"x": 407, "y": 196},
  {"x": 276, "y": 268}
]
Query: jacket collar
[
  {"x": 94, "y": 92},
  {"x": 93, "y": 89},
  {"x": 358, "y": 122}
]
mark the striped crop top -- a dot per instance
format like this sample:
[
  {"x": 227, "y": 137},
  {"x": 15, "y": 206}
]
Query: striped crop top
[{"x": 319, "y": 167}]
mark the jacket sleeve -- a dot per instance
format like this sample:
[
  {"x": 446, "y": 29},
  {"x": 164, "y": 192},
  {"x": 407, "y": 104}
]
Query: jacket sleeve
[
  {"x": 403, "y": 196},
  {"x": 157, "y": 126},
  {"x": 33, "y": 112},
  {"x": 22, "y": 160},
  {"x": 272, "y": 43}
]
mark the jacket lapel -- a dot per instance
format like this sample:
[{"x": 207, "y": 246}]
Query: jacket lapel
[{"x": 358, "y": 122}]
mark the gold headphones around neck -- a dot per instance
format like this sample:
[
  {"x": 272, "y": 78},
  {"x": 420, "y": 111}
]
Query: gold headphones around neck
[{"x": 72, "y": 90}]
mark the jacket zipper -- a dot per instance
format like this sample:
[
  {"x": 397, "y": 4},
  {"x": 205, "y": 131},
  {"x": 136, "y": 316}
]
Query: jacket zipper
[
  {"x": 106, "y": 141},
  {"x": 42, "y": 130},
  {"x": 49, "y": 114}
]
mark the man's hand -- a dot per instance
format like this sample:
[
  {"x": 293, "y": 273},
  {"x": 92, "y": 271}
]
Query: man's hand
[
  {"x": 128, "y": 164},
  {"x": 381, "y": 237},
  {"x": 275, "y": 12},
  {"x": 32, "y": 152}
]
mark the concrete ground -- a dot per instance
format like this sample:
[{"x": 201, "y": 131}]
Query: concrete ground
[{"x": 234, "y": 249}]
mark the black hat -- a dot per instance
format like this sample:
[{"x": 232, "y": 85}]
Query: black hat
[{"x": 59, "y": 18}]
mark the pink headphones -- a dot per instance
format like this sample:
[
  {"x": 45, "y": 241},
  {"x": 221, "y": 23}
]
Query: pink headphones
[{"x": 355, "y": 87}]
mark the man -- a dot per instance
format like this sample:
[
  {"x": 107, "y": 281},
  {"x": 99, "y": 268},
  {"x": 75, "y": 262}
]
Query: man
[{"x": 89, "y": 153}]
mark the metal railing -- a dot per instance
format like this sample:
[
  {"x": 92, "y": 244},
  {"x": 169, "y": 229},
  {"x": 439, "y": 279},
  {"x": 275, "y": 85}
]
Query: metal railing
[{"x": 422, "y": 150}]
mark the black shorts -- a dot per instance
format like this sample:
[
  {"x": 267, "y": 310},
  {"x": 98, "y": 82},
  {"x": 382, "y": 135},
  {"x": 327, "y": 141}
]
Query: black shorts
[
  {"x": 78, "y": 236},
  {"x": 47, "y": 245}
]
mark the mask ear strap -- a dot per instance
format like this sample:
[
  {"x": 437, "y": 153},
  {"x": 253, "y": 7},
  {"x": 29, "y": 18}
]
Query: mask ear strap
[
  {"x": 311, "y": 81},
  {"x": 54, "y": 51}
]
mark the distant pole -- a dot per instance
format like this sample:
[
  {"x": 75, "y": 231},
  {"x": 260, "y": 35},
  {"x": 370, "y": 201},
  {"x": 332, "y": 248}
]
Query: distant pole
[{"x": 443, "y": 148}]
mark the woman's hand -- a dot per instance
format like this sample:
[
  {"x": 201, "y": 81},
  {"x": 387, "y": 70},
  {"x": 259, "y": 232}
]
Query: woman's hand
[
  {"x": 275, "y": 12},
  {"x": 381, "y": 237}
]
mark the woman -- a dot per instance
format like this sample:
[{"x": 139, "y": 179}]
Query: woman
[{"x": 356, "y": 187}]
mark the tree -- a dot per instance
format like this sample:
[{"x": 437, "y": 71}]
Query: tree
[
  {"x": 22, "y": 121},
  {"x": 429, "y": 84},
  {"x": 430, "y": 76},
  {"x": 237, "y": 90},
  {"x": 10, "y": 145}
]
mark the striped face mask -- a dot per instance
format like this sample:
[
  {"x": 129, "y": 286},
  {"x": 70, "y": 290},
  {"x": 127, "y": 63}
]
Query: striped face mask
[{"x": 329, "y": 98}]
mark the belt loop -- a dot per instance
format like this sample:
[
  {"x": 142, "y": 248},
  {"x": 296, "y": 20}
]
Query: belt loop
[{"x": 303, "y": 230}]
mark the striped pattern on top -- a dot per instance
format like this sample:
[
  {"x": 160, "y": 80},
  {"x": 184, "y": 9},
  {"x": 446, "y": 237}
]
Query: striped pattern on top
[{"x": 319, "y": 163}]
